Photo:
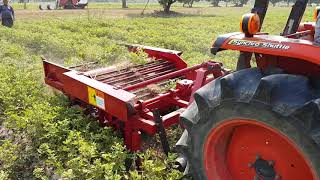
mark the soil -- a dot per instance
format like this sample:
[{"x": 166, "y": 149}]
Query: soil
[{"x": 101, "y": 13}]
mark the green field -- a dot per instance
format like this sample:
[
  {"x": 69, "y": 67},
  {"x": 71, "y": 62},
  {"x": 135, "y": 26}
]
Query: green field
[{"x": 41, "y": 136}]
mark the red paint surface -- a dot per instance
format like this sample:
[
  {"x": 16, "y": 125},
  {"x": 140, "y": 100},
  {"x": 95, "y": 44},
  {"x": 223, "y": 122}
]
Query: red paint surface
[
  {"x": 232, "y": 145},
  {"x": 122, "y": 110}
]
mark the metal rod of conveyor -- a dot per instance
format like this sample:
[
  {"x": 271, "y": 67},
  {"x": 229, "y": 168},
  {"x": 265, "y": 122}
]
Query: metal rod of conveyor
[
  {"x": 146, "y": 78},
  {"x": 164, "y": 77},
  {"x": 147, "y": 71},
  {"x": 126, "y": 71}
]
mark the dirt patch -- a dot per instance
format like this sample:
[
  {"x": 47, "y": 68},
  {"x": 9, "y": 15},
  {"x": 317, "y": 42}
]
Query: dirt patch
[{"x": 107, "y": 13}]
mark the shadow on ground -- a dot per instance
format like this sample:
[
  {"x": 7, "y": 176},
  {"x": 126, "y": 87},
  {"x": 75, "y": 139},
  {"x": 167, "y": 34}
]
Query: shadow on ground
[{"x": 171, "y": 14}]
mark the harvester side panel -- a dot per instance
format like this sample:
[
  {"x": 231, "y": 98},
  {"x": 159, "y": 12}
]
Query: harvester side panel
[
  {"x": 103, "y": 96},
  {"x": 54, "y": 74}
]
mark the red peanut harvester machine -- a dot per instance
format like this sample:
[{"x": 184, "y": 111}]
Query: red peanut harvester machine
[{"x": 122, "y": 98}]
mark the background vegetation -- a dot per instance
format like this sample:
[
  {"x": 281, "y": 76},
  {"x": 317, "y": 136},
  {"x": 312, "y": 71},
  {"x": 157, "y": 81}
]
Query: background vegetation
[
  {"x": 166, "y": 4},
  {"x": 41, "y": 136}
]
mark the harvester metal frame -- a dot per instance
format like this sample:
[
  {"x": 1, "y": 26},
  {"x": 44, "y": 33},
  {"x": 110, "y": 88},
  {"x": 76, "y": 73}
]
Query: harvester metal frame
[{"x": 118, "y": 106}]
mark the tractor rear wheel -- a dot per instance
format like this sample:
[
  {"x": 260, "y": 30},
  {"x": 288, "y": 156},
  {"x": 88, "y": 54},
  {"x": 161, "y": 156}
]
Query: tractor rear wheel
[{"x": 254, "y": 125}]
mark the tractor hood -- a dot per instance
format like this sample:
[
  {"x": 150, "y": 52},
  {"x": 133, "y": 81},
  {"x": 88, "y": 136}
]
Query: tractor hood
[{"x": 268, "y": 44}]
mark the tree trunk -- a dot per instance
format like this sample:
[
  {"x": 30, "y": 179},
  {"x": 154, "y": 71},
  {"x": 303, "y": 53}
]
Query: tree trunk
[
  {"x": 25, "y": 4},
  {"x": 124, "y": 4},
  {"x": 167, "y": 8},
  {"x": 191, "y": 4},
  {"x": 215, "y": 4}
]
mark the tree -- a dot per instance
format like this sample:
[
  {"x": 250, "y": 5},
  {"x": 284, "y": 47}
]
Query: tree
[
  {"x": 274, "y": 2},
  {"x": 166, "y": 5},
  {"x": 124, "y": 4},
  {"x": 188, "y": 2},
  {"x": 215, "y": 3},
  {"x": 240, "y": 3},
  {"x": 310, "y": 2}
]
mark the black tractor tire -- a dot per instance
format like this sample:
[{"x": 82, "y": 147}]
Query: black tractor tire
[{"x": 287, "y": 103}]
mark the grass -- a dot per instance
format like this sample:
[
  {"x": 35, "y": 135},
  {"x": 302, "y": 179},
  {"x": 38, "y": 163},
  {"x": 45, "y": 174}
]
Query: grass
[
  {"x": 104, "y": 5},
  {"x": 40, "y": 135}
]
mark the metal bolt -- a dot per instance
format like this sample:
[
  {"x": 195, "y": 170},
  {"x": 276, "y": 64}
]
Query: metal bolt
[
  {"x": 250, "y": 165},
  {"x": 256, "y": 177},
  {"x": 277, "y": 177},
  {"x": 258, "y": 157},
  {"x": 271, "y": 163}
]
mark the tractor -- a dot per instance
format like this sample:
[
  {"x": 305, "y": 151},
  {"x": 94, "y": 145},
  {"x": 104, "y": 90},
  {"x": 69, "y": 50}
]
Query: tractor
[
  {"x": 66, "y": 4},
  {"x": 259, "y": 122}
]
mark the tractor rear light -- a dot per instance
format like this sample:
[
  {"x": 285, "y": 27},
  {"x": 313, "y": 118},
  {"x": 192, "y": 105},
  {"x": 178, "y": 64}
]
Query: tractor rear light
[{"x": 250, "y": 24}]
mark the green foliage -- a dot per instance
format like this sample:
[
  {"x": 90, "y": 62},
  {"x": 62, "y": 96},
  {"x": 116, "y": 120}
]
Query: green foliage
[
  {"x": 139, "y": 57},
  {"x": 310, "y": 2},
  {"x": 156, "y": 168},
  {"x": 274, "y": 2},
  {"x": 214, "y": 3},
  {"x": 7, "y": 157},
  {"x": 240, "y": 3},
  {"x": 166, "y": 4},
  {"x": 42, "y": 137},
  {"x": 47, "y": 137}
]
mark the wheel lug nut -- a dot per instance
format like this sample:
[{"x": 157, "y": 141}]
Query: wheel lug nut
[{"x": 250, "y": 165}]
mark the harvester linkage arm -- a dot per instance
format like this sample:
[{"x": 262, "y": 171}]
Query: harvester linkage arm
[{"x": 162, "y": 132}]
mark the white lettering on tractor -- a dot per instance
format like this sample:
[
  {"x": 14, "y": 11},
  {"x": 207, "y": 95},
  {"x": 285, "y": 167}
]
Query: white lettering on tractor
[{"x": 237, "y": 42}]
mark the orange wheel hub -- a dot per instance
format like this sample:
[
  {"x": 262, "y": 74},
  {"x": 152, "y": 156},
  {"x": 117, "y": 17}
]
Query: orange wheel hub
[{"x": 246, "y": 149}]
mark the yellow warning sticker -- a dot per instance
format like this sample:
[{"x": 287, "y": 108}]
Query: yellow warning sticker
[{"x": 96, "y": 98}]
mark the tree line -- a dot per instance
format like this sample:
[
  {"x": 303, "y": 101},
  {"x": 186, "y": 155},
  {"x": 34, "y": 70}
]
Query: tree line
[
  {"x": 235, "y": 3},
  {"x": 288, "y": 2}
]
